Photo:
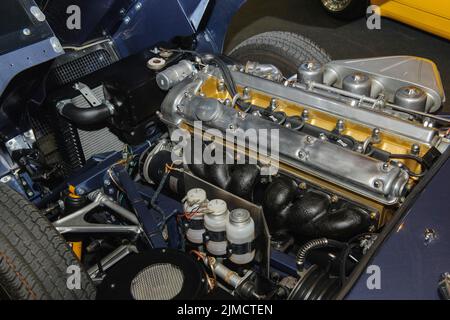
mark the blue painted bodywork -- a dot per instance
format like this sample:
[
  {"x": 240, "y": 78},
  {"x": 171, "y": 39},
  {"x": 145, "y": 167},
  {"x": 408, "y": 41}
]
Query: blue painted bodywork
[
  {"x": 133, "y": 25},
  {"x": 158, "y": 21},
  {"x": 410, "y": 268},
  {"x": 13, "y": 63},
  {"x": 154, "y": 22},
  {"x": 31, "y": 45}
]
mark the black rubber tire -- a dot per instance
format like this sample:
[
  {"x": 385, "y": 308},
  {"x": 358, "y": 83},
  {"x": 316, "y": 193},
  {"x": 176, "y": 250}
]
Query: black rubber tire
[
  {"x": 356, "y": 9},
  {"x": 34, "y": 257},
  {"x": 285, "y": 50}
]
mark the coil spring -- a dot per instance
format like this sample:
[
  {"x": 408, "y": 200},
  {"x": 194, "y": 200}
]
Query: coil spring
[{"x": 303, "y": 251}]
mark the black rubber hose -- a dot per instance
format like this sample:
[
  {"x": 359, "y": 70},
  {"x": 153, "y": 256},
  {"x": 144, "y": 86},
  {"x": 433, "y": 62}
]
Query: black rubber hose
[
  {"x": 408, "y": 156},
  {"x": 295, "y": 122},
  {"x": 154, "y": 199},
  {"x": 228, "y": 79},
  {"x": 343, "y": 267},
  {"x": 418, "y": 159},
  {"x": 345, "y": 254},
  {"x": 315, "y": 244},
  {"x": 85, "y": 117}
]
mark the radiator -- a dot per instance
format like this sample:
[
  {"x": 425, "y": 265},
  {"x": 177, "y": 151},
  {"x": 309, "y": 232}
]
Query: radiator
[{"x": 100, "y": 141}]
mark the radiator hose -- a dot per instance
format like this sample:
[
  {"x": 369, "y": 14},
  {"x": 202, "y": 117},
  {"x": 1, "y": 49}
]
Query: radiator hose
[{"x": 85, "y": 117}]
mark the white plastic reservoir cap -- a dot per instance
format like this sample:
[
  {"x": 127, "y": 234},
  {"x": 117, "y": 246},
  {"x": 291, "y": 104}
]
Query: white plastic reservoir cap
[
  {"x": 238, "y": 216},
  {"x": 196, "y": 195},
  {"x": 217, "y": 207}
]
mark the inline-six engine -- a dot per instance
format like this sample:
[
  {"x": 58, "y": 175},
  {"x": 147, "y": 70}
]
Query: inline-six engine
[{"x": 343, "y": 143}]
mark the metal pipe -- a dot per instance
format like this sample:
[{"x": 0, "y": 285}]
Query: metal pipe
[
  {"x": 85, "y": 228},
  {"x": 228, "y": 276},
  {"x": 104, "y": 200},
  {"x": 111, "y": 259},
  {"x": 98, "y": 199},
  {"x": 77, "y": 214}
]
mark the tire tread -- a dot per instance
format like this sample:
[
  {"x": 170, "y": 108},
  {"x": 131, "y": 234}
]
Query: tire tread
[
  {"x": 291, "y": 46},
  {"x": 33, "y": 256}
]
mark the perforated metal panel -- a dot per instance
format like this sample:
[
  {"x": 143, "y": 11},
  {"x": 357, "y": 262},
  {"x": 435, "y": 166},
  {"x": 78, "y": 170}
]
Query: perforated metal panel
[
  {"x": 160, "y": 281},
  {"x": 78, "y": 68}
]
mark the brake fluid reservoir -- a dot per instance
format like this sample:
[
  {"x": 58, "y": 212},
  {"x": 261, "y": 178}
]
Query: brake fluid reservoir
[
  {"x": 195, "y": 204},
  {"x": 215, "y": 225},
  {"x": 240, "y": 230}
]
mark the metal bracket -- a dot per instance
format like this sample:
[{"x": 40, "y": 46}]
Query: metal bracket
[
  {"x": 87, "y": 94},
  {"x": 23, "y": 141},
  {"x": 76, "y": 222}
]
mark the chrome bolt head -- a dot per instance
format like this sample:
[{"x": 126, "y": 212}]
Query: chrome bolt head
[
  {"x": 378, "y": 184},
  {"x": 340, "y": 125},
  {"x": 430, "y": 235},
  {"x": 415, "y": 149},
  {"x": 305, "y": 114},
  {"x": 302, "y": 186},
  {"x": 273, "y": 104}
]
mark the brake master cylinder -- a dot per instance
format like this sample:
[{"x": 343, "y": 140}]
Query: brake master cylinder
[
  {"x": 240, "y": 230},
  {"x": 215, "y": 225}
]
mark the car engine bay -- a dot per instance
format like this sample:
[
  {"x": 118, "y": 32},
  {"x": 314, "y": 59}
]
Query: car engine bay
[{"x": 150, "y": 169}]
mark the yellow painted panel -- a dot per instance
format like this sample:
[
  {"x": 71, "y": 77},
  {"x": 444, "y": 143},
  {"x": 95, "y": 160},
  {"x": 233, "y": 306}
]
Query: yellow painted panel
[
  {"x": 439, "y": 8},
  {"x": 77, "y": 248},
  {"x": 420, "y": 19}
]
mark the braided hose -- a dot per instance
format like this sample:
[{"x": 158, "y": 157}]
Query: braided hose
[{"x": 314, "y": 244}]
